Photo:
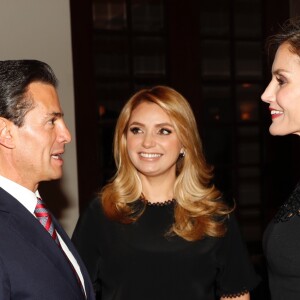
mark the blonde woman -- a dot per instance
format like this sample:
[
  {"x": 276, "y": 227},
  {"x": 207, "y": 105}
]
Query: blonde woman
[{"x": 160, "y": 229}]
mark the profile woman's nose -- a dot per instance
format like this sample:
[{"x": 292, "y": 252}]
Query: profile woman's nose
[{"x": 268, "y": 95}]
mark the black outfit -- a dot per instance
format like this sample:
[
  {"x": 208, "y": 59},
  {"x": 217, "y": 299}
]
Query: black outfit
[
  {"x": 138, "y": 262},
  {"x": 282, "y": 249}
]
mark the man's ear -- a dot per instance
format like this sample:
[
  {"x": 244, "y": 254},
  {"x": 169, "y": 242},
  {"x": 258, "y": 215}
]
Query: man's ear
[{"x": 6, "y": 138}]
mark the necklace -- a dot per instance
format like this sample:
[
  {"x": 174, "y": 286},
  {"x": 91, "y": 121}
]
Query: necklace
[{"x": 158, "y": 204}]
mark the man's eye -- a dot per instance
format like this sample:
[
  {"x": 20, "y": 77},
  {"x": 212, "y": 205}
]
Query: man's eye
[
  {"x": 135, "y": 130},
  {"x": 165, "y": 131},
  {"x": 52, "y": 121}
]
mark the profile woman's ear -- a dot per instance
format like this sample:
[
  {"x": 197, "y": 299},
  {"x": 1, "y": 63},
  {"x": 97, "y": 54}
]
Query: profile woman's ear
[{"x": 6, "y": 138}]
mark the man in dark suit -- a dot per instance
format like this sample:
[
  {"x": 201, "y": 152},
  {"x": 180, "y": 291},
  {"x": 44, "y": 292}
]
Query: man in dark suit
[{"x": 37, "y": 258}]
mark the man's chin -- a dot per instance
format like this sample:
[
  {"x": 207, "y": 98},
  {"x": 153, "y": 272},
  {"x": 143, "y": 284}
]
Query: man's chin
[{"x": 55, "y": 176}]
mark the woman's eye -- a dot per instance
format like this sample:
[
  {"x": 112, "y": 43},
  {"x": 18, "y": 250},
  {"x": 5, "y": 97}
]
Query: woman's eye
[
  {"x": 165, "y": 131},
  {"x": 280, "y": 80},
  {"x": 135, "y": 130}
]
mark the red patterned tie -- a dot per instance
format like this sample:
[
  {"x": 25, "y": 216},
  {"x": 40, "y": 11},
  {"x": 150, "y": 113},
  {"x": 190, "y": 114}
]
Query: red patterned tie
[{"x": 44, "y": 217}]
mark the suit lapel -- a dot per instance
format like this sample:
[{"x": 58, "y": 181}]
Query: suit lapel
[
  {"x": 70, "y": 245},
  {"x": 28, "y": 228}
]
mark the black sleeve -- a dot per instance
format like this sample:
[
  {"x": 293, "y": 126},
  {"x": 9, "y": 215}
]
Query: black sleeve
[
  {"x": 236, "y": 273},
  {"x": 86, "y": 240}
]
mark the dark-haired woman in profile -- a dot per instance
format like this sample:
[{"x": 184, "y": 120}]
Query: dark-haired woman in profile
[
  {"x": 281, "y": 239},
  {"x": 160, "y": 229}
]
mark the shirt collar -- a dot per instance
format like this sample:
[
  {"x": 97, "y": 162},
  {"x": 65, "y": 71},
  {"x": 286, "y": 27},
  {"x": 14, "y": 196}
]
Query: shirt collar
[{"x": 26, "y": 197}]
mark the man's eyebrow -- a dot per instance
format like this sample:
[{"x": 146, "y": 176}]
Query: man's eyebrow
[{"x": 55, "y": 114}]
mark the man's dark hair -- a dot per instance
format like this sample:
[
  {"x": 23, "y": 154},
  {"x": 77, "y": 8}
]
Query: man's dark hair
[{"x": 15, "y": 77}]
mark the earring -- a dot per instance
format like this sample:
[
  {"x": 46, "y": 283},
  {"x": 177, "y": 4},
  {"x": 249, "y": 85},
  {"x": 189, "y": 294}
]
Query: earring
[{"x": 182, "y": 153}]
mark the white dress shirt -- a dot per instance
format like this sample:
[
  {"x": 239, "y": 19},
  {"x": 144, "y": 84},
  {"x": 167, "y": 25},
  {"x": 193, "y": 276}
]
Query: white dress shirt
[{"x": 29, "y": 200}]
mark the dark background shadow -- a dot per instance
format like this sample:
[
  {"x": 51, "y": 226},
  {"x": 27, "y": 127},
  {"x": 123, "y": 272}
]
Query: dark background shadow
[{"x": 54, "y": 196}]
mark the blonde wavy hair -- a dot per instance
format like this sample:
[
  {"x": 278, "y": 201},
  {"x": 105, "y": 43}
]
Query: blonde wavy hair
[{"x": 199, "y": 209}]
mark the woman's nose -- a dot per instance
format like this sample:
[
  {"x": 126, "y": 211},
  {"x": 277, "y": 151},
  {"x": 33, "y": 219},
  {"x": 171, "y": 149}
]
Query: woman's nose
[
  {"x": 148, "y": 140},
  {"x": 268, "y": 95}
]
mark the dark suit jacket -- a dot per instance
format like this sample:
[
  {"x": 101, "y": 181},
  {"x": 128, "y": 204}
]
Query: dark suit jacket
[{"x": 32, "y": 266}]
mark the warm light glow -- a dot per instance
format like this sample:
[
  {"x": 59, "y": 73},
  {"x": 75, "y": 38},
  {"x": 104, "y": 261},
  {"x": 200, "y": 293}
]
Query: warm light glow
[
  {"x": 246, "y": 85},
  {"x": 245, "y": 116},
  {"x": 217, "y": 117},
  {"x": 246, "y": 111},
  {"x": 101, "y": 110}
]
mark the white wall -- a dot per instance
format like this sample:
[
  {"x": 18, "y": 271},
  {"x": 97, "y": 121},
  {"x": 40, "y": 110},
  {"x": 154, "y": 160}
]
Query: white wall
[{"x": 40, "y": 29}]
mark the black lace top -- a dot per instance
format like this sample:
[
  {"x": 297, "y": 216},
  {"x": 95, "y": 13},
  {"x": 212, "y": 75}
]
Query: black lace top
[
  {"x": 290, "y": 208},
  {"x": 281, "y": 244},
  {"x": 138, "y": 262}
]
